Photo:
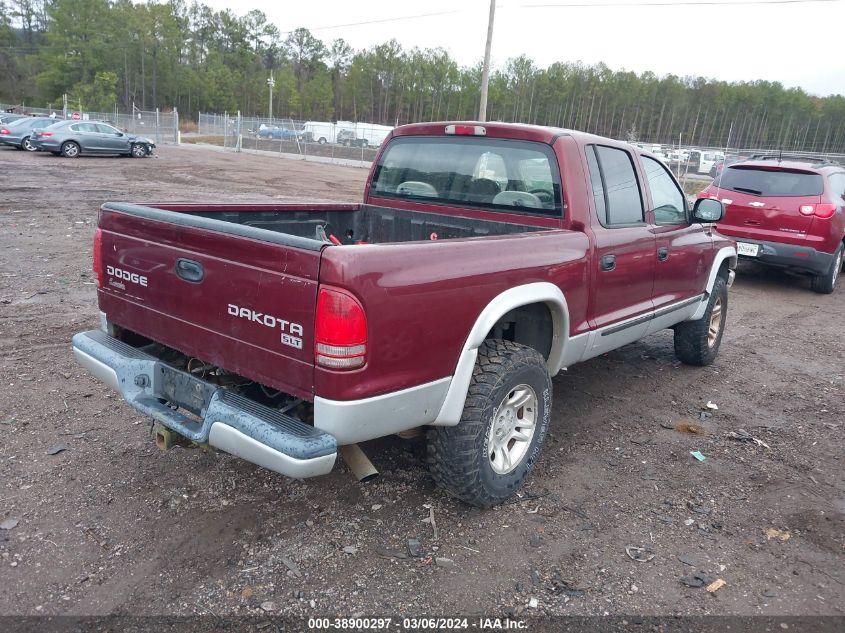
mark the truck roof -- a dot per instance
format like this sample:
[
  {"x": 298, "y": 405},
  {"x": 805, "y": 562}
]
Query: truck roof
[{"x": 521, "y": 131}]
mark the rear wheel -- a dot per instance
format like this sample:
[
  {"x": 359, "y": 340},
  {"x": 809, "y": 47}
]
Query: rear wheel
[
  {"x": 70, "y": 149},
  {"x": 27, "y": 145},
  {"x": 697, "y": 342},
  {"x": 322, "y": 141},
  {"x": 138, "y": 151},
  {"x": 826, "y": 283},
  {"x": 487, "y": 456}
]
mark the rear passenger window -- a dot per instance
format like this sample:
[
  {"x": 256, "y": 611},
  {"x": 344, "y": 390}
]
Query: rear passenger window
[{"x": 623, "y": 203}]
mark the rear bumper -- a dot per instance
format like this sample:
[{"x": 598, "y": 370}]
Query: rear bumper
[
  {"x": 221, "y": 418},
  {"x": 47, "y": 146},
  {"x": 789, "y": 256}
]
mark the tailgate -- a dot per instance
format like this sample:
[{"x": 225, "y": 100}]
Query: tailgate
[
  {"x": 237, "y": 297},
  {"x": 763, "y": 202},
  {"x": 774, "y": 219}
]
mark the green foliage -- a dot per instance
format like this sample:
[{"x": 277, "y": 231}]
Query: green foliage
[{"x": 171, "y": 53}]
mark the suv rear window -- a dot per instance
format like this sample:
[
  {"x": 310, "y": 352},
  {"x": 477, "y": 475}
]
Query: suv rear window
[
  {"x": 493, "y": 174},
  {"x": 771, "y": 182}
]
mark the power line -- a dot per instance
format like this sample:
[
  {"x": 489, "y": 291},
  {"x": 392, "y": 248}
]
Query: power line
[
  {"x": 552, "y": 5},
  {"x": 667, "y": 3},
  {"x": 381, "y": 20}
]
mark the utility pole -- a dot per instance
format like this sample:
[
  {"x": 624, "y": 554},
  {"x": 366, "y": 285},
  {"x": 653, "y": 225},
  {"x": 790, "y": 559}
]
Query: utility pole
[
  {"x": 271, "y": 82},
  {"x": 485, "y": 74}
]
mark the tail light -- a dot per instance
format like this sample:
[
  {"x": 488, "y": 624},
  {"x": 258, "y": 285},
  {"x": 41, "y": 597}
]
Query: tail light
[
  {"x": 44, "y": 134},
  {"x": 823, "y": 211},
  {"x": 98, "y": 257},
  {"x": 340, "y": 333},
  {"x": 4, "y": 131}
]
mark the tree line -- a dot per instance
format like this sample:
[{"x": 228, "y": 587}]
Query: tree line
[{"x": 107, "y": 53}]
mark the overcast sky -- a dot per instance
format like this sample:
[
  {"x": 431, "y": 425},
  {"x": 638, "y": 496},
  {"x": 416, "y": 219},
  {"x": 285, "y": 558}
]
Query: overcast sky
[{"x": 795, "y": 42}]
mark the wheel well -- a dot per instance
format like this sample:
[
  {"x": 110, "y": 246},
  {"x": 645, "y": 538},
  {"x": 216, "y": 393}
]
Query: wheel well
[{"x": 530, "y": 325}]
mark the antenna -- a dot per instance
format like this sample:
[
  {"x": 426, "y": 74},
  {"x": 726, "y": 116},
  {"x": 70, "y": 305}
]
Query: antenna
[{"x": 725, "y": 159}]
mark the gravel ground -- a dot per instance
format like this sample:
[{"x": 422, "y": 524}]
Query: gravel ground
[{"x": 105, "y": 523}]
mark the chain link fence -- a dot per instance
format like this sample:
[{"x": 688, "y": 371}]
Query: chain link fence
[
  {"x": 160, "y": 126},
  {"x": 341, "y": 142}
]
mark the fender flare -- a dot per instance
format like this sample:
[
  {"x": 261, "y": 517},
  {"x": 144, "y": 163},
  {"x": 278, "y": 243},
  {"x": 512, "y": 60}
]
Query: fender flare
[
  {"x": 538, "y": 292},
  {"x": 726, "y": 252}
]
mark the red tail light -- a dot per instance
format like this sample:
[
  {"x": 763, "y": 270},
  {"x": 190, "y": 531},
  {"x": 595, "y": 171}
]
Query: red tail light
[
  {"x": 44, "y": 133},
  {"x": 340, "y": 333},
  {"x": 825, "y": 211},
  {"x": 98, "y": 257},
  {"x": 4, "y": 131}
]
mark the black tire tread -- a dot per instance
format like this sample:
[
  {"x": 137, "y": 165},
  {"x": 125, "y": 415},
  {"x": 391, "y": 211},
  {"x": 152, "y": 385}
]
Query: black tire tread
[
  {"x": 452, "y": 449},
  {"x": 824, "y": 284},
  {"x": 691, "y": 336}
]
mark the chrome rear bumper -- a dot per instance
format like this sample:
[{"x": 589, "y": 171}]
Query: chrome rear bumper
[{"x": 221, "y": 418}]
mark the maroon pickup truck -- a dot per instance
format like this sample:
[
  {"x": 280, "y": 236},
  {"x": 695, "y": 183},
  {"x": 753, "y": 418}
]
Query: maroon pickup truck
[{"x": 483, "y": 260}]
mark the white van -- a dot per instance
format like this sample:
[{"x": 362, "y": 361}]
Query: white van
[
  {"x": 702, "y": 161},
  {"x": 321, "y": 132}
]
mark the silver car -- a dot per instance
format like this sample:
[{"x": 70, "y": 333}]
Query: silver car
[
  {"x": 18, "y": 133},
  {"x": 72, "y": 138}
]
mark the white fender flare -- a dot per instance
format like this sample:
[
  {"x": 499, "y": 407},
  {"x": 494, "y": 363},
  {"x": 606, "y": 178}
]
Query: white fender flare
[
  {"x": 539, "y": 292},
  {"x": 726, "y": 252}
]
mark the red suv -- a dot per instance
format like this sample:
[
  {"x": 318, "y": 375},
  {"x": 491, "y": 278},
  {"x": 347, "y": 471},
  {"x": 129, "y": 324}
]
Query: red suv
[{"x": 786, "y": 211}]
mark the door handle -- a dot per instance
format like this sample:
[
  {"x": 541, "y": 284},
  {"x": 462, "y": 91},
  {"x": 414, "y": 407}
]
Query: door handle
[
  {"x": 189, "y": 270},
  {"x": 662, "y": 254},
  {"x": 608, "y": 262}
]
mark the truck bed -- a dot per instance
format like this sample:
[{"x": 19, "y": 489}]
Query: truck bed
[{"x": 350, "y": 224}]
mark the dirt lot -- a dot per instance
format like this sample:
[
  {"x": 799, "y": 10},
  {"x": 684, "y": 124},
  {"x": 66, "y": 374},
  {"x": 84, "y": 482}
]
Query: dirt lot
[{"x": 112, "y": 525}]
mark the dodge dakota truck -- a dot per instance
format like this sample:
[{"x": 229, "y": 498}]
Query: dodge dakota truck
[{"x": 483, "y": 259}]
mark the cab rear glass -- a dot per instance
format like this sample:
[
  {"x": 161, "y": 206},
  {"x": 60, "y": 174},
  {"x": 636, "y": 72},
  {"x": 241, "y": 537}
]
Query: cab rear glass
[
  {"x": 771, "y": 182},
  {"x": 478, "y": 172}
]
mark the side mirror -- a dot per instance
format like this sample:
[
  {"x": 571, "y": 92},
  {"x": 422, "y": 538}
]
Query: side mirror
[
  {"x": 118, "y": 133},
  {"x": 707, "y": 210}
]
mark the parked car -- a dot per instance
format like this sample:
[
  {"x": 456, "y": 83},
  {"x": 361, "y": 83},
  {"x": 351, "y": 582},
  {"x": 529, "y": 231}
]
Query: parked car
[
  {"x": 505, "y": 253},
  {"x": 8, "y": 118},
  {"x": 278, "y": 132},
  {"x": 720, "y": 164},
  {"x": 18, "y": 133},
  {"x": 787, "y": 212},
  {"x": 73, "y": 138},
  {"x": 702, "y": 161}
]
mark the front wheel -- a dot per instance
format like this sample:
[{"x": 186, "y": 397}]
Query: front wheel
[
  {"x": 27, "y": 145},
  {"x": 70, "y": 150},
  {"x": 697, "y": 342},
  {"x": 138, "y": 151},
  {"x": 825, "y": 284},
  {"x": 487, "y": 456}
]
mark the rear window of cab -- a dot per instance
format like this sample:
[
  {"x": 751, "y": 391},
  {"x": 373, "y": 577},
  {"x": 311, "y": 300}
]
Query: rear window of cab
[
  {"x": 492, "y": 174},
  {"x": 772, "y": 182}
]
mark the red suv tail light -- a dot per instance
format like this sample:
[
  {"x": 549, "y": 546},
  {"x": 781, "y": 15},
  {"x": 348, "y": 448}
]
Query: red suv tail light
[
  {"x": 825, "y": 211},
  {"x": 98, "y": 257},
  {"x": 340, "y": 332}
]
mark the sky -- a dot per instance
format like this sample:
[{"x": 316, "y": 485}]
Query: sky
[{"x": 795, "y": 42}]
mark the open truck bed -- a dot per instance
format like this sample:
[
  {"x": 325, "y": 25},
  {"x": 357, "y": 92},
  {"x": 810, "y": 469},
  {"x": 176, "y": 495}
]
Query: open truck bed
[{"x": 348, "y": 223}]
